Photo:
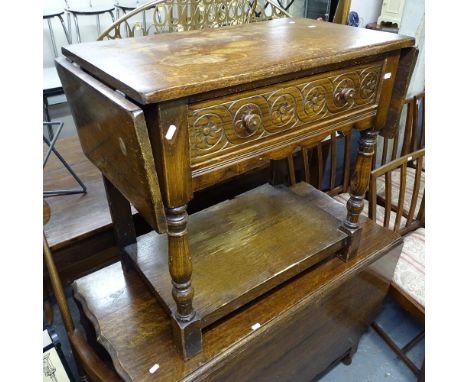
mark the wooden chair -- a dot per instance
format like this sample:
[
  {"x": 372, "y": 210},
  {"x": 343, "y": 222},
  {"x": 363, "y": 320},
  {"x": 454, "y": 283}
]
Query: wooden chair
[
  {"x": 411, "y": 135},
  {"x": 412, "y": 201},
  {"x": 328, "y": 165},
  {"x": 407, "y": 286},
  {"x": 88, "y": 362},
  {"x": 396, "y": 200}
]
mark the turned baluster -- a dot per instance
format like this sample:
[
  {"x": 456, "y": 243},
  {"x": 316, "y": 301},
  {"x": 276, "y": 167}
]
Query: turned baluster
[
  {"x": 169, "y": 134},
  {"x": 180, "y": 262},
  {"x": 358, "y": 188}
]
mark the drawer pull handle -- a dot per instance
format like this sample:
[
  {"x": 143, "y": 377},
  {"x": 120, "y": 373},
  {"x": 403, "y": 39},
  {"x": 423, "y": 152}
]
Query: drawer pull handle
[
  {"x": 251, "y": 122},
  {"x": 345, "y": 95}
]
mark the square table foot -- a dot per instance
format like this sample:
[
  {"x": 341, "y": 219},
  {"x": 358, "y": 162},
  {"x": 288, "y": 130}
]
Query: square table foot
[{"x": 187, "y": 336}]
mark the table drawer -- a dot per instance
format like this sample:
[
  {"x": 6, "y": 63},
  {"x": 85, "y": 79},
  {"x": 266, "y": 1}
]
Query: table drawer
[{"x": 256, "y": 121}]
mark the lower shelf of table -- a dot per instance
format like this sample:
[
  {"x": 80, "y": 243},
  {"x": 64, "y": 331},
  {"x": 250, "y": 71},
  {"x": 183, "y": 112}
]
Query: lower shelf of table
[
  {"x": 306, "y": 323},
  {"x": 241, "y": 249}
]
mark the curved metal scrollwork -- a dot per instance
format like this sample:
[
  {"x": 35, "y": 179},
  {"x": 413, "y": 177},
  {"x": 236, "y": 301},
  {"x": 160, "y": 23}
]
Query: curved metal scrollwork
[{"x": 184, "y": 15}]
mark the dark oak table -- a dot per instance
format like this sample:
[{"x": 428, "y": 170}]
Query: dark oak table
[{"x": 166, "y": 116}]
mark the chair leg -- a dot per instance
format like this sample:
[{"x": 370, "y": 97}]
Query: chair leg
[
  {"x": 98, "y": 25},
  {"x": 51, "y": 144},
  {"x": 45, "y": 103},
  {"x": 67, "y": 33},
  {"x": 77, "y": 27},
  {"x": 52, "y": 38},
  {"x": 399, "y": 352},
  {"x": 422, "y": 373}
]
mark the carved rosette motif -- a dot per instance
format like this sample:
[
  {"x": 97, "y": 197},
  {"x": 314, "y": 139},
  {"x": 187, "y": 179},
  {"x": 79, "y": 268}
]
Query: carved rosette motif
[
  {"x": 315, "y": 100},
  {"x": 210, "y": 128},
  {"x": 229, "y": 124},
  {"x": 369, "y": 83},
  {"x": 283, "y": 109}
]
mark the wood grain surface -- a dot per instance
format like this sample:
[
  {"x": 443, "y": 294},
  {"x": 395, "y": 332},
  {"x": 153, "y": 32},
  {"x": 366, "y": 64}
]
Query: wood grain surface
[
  {"x": 305, "y": 325},
  {"x": 166, "y": 75},
  {"x": 242, "y": 248},
  {"x": 168, "y": 66},
  {"x": 114, "y": 136},
  {"x": 79, "y": 227},
  {"x": 219, "y": 128}
]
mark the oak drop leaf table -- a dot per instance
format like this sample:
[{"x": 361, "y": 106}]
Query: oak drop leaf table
[{"x": 166, "y": 115}]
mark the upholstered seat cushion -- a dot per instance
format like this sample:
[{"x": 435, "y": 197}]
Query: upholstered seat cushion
[
  {"x": 410, "y": 269},
  {"x": 410, "y": 176},
  {"x": 380, "y": 212}
]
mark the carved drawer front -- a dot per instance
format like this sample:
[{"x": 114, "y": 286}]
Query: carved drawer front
[{"x": 250, "y": 122}]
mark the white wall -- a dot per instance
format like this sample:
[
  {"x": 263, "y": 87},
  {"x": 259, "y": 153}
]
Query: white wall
[
  {"x": 297, "y": 9},
  {"x": 368, "y": 10},
  {"x": 413, "y": 24}
]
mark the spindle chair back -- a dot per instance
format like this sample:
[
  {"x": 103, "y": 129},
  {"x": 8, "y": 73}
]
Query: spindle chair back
[
  {"x": 394, "y": 201},
  {"x": 407, "y": 286},
  {"x": 327, "y": 164},
  {"x": 415, "y": 216},
  {"x": 411, "y": 134}
]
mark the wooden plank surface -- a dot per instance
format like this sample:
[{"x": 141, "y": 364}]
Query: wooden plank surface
[
  {"x": 136, "y": 331},
  {"x": 168, "y": 66},
  {"x": 114, "y": 136},
  {"x": 242, "y": 248}
]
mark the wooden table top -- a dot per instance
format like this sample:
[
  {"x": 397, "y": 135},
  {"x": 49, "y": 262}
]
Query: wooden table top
[
  {"x": 74, "y": 217},
  {"x": 173, "y": 65}
]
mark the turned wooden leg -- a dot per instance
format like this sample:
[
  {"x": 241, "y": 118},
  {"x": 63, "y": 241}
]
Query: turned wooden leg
[
  {"x": 122, "y": 220},
  {"x": 359, "y": 185},
  {"x": 172, "y": 158},
  {"x": 185, "y": 322}
]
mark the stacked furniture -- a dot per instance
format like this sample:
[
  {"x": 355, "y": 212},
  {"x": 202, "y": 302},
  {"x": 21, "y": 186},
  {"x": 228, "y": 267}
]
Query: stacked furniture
[
  {"x": 51, "y": 85},
  {"x": 399, "y": 187},
  {"x": 406, "y": 211},
  {"x": 165, "y": 116},
  {"x": 88, "y": 11},
  {"x": 395, "y": 201}
]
